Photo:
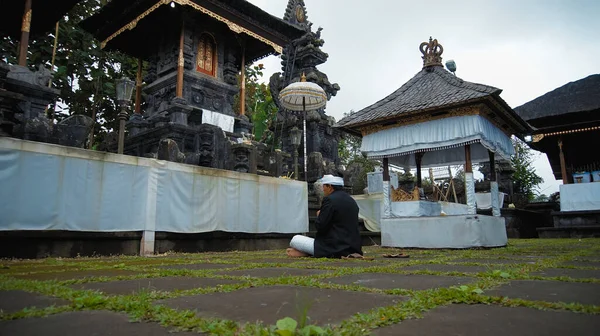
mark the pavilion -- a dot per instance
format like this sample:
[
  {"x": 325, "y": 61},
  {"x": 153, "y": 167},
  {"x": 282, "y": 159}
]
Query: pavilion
[
  {"x": 437, "y": 119},
  {"x": 566, "y": 122}
]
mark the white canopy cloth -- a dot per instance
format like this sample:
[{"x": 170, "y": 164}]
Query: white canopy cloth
[
  {"x": 303, "y": 96},
  {"x": 442, "y": 139}
]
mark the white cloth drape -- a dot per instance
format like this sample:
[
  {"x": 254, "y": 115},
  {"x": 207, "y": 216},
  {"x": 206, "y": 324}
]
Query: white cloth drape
[
  {"x": 580, "y": 196},
  {"x": 49, "y": 187},
  {"x": 441, "y": 139},
  {"x": 224, "y": 121}
]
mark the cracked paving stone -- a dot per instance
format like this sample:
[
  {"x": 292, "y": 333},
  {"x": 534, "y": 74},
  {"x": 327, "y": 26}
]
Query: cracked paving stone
[
  {"x": 16, "y": 300},
  {"x": 568, "y": 272},
  {"x": 84, "y": 323},
  {"x": 448, "y": 268},
  {"x": 476, "y": 320},
  {"x": 273, "y": 272},
  {"x": 196, "y": 267},
  {"x": 269, "y": 304},
  {"x": 166, "y": 284},
  {"x": 551, "y": 291},
  {"x": 69, "y": 275},
  {"x": 494, "y": 261},
  {"x": 399, "y": 281}
]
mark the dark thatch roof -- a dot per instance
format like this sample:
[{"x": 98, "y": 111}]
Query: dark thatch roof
[
  {"x": 578, "y": 96},
  {"x": 432, "y": 88},
  {"x": 44, "y": 15}
]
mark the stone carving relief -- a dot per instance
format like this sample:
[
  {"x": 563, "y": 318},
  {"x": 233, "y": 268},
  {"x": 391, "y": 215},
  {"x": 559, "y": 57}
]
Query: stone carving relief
[
  {"x": 206, "y": 155},
  {"x": 241, "y": 154}
]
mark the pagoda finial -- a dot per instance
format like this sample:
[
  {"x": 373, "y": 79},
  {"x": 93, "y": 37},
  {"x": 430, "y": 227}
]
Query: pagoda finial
[
  {"x": 303, "y": 77},
  {"x": 432, "y": 53},
  {"x": 296, "y": 13}
]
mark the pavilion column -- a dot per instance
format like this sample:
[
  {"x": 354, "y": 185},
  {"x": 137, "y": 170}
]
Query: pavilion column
[
  {"x": 387, "y": 201},
  {"x": 243, "y": 81},
  {"x": 563, "y": 165},
  {"x": 494, "y": 186},
  {"x": 138, "y": 89},
  {"x": 180, "y": 64},
  {"x": 418, "y": 159},
  {"x": 469, "y": 182},
  {"x": 25, "y": 28}
]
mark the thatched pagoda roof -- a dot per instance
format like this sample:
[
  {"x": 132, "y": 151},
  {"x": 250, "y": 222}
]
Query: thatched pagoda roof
[
  {"x": 430, "y": 91},
  {"x": 574, "y": 102}
]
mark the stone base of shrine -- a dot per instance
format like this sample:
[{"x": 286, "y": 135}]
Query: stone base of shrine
[{"x": 463, "y": 231}]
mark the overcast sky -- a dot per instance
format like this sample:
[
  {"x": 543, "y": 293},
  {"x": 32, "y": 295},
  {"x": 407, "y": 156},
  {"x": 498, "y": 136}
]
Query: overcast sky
[{"x": 524, "y": 47}]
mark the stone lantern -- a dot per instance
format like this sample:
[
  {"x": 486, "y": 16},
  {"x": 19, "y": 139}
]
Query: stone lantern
[
  {"x": 295, "y": 137},
  {"x": 124, "y": 90}
]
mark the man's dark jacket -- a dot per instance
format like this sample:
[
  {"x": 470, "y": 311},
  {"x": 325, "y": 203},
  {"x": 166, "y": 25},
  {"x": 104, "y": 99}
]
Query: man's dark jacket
[{"x": 337, "y": 227}]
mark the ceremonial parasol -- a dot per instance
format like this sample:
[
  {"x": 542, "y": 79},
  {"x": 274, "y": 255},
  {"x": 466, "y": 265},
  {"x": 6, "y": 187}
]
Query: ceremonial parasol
[{"x": 302, "y": 96}]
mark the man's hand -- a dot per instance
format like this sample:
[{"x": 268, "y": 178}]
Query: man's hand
[{"x": 318, "y": 212}]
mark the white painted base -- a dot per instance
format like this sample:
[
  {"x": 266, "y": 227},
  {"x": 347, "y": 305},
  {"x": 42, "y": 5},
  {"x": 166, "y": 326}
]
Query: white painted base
[
  {"x": 147, "y": 243},
  {"x": 444, "y": 232},
  {"x": 416, "y": 209}
]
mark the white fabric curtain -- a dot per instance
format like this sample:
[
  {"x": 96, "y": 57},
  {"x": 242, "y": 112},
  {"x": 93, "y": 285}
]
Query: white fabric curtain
[
  {"x": 49, "y": 187},
  {"x": 441, "y": 139}
]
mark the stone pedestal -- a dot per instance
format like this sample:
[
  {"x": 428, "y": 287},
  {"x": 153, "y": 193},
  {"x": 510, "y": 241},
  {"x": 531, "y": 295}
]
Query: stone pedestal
[
  {"x": 179, "y": 111},
  {"x": 466, "y": 231},
  {"x": 242, "y": 125}
]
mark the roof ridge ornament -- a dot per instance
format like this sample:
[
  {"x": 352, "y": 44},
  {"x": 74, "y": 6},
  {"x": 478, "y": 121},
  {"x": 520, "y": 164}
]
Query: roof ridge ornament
[{"x": 432, "y": 53}]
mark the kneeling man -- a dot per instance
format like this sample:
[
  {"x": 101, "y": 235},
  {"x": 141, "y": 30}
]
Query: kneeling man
[{"x": 337, "y": 225}]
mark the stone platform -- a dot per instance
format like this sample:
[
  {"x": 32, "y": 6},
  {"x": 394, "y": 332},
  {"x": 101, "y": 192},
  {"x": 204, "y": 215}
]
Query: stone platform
[
  {"x": 531, "y": 287},
  {"x": 463, "y": 231}
]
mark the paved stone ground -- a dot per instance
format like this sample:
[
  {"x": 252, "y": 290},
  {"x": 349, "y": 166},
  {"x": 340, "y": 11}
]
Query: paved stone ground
[{"x": 531, "y": 287}]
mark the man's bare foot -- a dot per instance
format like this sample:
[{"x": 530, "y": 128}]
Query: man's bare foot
[{"x": 292, "y": 252}]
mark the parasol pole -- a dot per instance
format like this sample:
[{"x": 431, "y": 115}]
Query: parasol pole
[{"x": 304, "y": 131}]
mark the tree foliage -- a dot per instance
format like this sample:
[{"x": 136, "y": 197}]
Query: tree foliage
[
  {"x": 349, "y": 147},
  {"x": 84, "y": 73},
  {"x": 260, "y": 107},
  {"x": 525, "y": 179}
]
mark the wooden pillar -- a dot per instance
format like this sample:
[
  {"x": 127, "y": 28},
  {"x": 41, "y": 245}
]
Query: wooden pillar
[
  {"x": 138, "y": 88},
  {"x": 386, "y": 203},
  {"x": 243, "y": 82},
  {"x": 563, "y": 165},
  {"x": 493, "y": 176},
  {"x": 494, "y": 192},
  {"x": 469, "y": 183},
  {"x": 180, "y": 64},
  {"x": 468, "y": 165},
  {"x": 25, "y": 27},
  {"x": 386, "y": 170},
  {"x": 418, "y": 158}
]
